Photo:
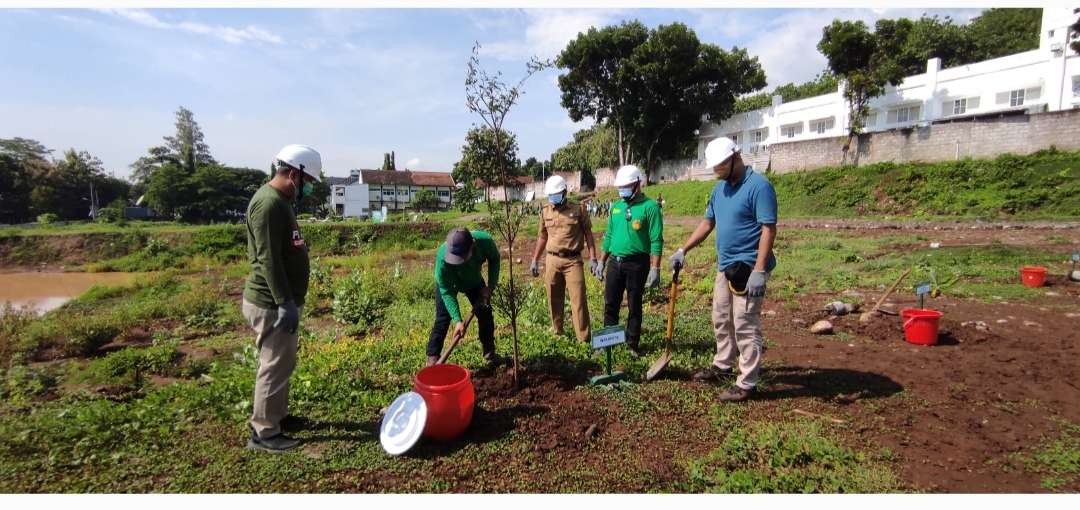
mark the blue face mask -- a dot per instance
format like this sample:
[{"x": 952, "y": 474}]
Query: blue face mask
[
  {"x": 626, "y": 192},
  {"x": 556, "y": 199}
]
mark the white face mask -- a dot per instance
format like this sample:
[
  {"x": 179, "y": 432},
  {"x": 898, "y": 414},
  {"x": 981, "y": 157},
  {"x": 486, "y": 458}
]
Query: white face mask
[{"x": 626, "y": 192}]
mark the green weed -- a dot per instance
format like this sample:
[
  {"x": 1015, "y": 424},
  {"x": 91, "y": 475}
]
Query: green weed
[
  {"x": 1057, "y": 460},
  {"x": 795, "y": 457}
]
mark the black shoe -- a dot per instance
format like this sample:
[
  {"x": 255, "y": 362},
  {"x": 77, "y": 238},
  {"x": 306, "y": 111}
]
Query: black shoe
[
  {"x": 634, "y": 350},
  {"x": 712, "y": 373},
  {"x": 293, "y": 423},
  {"x": 493, "y": 360},
  {"x": 735, "y": 394},
  {"x": 276, "y": 444}
]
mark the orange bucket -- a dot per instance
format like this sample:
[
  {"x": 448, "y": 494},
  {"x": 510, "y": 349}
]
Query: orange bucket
[{"x": 1033, "y": 276}]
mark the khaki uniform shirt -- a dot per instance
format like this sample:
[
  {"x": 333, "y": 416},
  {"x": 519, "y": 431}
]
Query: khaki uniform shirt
[{"x": 565, "y": 227}]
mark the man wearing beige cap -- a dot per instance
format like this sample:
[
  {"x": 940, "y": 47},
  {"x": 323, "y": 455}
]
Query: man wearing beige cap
[{"x": 742, "y": 209}]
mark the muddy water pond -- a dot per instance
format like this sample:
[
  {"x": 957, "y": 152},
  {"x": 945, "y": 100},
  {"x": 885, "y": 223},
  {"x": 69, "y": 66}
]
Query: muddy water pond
[{"x": 43, "y": 291}]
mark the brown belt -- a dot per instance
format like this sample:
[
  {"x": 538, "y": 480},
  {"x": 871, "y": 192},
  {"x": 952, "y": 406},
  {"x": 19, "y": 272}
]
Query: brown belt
[{"x": 566, "y": 254}]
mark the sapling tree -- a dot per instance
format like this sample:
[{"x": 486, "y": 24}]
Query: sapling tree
[{"x": 491, "y": 98}]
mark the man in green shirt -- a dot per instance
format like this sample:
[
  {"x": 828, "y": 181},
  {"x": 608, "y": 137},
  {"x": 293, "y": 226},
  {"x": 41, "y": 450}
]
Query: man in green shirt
[
  {"x": 275, "y": 289},
  {"x": 457, "y": 269},
  {"x": 635, "y": 239}
]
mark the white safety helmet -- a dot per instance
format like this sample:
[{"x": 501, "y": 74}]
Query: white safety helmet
[
  {"x": 719, "y": 150},
  {"x": 303, "y": 158},
  {"x": 627, "y": 175},
  {"x": 555, "y": 184}
]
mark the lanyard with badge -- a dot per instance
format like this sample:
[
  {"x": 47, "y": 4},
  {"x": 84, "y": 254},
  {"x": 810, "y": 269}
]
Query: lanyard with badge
[{"x": 630, "y": 221}]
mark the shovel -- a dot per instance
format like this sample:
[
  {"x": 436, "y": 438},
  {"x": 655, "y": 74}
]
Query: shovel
[
  {"x": 665, "y": 358},
  {"x": 454, "y": 342}
]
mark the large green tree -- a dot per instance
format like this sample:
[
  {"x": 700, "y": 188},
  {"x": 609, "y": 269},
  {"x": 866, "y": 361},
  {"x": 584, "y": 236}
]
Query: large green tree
[
  {"x": 652, "y": 86},
  {"x": 15, "y": 187},
  {"x": 597, "y": 81},
  {"x": 591, "y": 149},
  {"x": 24, "y": 164},
  {"x": 533, "y": 167},
  {"x": 211, "y": 193},
  {"x": 1004, "y": 31},
  {"x": 74, "y": 185},
  {"x": 186, "y": 147},
  {"x": 824, "y": 83},
  {"x": 483, "y": 158},
  {"x": 865, "y": 60}
]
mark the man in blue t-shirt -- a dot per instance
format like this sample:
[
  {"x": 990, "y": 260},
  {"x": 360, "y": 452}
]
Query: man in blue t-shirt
[{"x": 742, "y": 209}]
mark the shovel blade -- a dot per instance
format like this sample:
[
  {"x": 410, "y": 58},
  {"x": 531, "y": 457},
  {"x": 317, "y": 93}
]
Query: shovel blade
[{"x": 658, "y": 365}]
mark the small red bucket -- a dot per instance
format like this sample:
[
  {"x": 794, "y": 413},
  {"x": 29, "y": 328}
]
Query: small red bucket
[
  {"x": 920, "y": 325},
  {"x": 449, "y": 395},
  {"x": 1033, "y": 276}
]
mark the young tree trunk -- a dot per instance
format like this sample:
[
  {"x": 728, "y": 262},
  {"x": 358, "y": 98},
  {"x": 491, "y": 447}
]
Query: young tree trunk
[
  {"x": 622, "y": 149},
  {"x": 508, "y": 236}
]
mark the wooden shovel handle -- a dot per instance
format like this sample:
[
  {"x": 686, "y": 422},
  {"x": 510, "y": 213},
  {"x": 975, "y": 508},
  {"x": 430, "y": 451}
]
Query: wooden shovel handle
[
  {"x": 457, "y": 339},
  {"x": 671, "y": 305},
  {"x": 891, "y": 289}
]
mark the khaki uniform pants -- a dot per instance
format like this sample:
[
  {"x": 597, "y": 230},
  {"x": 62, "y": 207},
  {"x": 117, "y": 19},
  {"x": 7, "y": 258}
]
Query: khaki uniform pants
[
  {"x": 737, "y": 326},
  {"x": 277, "y": 359},
  {"x": 560, "y": 273}
]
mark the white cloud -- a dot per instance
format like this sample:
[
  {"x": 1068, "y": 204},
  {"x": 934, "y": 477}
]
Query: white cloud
[
  {"x": 413, "y": 163},
  {"x": 548, "y": 31},
  {"x": 232, "y": 35},
  {"x": 74, "y": 19}
]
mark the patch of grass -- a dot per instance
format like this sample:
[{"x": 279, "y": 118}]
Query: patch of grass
[
  {"x": 133, "y": 363},
  {"x": 360, "y": 300},
  {"x": 795, "y": 457},
  {"x": 1058, "y": 459},
  {"x": 21, "y": 384}
]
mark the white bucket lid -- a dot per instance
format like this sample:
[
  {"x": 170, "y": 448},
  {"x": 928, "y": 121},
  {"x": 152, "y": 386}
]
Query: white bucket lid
[{"x": 403, "y": 423}]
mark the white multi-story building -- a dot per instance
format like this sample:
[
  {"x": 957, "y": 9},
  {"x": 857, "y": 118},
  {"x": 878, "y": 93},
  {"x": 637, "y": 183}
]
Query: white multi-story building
[{"x": 1040, "y": 80}]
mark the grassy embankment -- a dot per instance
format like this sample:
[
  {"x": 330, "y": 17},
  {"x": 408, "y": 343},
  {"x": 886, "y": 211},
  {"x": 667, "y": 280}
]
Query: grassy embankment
[{"x": 1044, "y": 185}]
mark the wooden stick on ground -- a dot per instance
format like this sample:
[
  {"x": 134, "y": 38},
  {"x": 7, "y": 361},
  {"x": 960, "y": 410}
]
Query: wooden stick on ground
[{"x": 816, "y": 415}]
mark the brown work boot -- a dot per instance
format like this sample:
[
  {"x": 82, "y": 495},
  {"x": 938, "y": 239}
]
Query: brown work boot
[
  {"x": 712, "y": 374},
  {"x": 735, "y": 394},
  {"x": 431, "y": 361}
]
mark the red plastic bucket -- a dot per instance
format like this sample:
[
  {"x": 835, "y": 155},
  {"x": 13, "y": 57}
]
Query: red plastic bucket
[
  {"x": 1033, "y": 276},
  {"x": 920, "y": 325},
  {"x": 448, "y": 393}
]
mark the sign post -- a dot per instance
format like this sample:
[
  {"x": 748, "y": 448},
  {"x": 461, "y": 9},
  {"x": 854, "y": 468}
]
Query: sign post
[
  {"x": 605, "y": 339},
  {"x": 922, "y": 290}
]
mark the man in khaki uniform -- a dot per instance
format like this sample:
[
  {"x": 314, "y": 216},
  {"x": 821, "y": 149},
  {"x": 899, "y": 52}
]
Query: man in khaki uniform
[{"x": 565, "y": 230}]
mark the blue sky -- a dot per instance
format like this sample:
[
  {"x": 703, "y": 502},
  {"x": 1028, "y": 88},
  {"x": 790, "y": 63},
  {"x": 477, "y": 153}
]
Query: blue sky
[{"x": 353, "y": 83}]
